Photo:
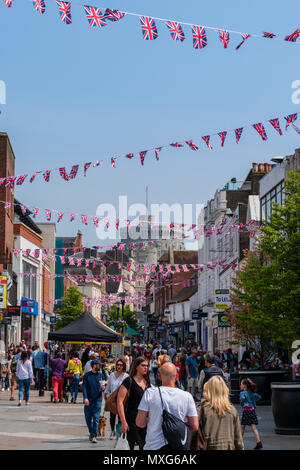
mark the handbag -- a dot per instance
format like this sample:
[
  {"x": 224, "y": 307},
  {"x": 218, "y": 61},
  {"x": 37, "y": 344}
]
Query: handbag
[
  {"x": 69, "y": 375},
  {"x": 4, "y": 371},
  {"x": 111, "y": 401},
  {"x": 198, "y": 441}
]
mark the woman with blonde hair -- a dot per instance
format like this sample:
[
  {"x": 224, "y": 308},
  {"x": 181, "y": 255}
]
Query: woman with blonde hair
[{"x": 218, "y": 419}]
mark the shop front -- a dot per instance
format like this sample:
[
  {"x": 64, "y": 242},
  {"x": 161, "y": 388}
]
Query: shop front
[{"x": 29, "y": 317}]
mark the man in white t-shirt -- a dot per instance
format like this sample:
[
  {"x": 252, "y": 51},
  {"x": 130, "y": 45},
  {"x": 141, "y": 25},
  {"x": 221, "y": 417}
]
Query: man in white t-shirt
[{"x": 176, "y": 401}]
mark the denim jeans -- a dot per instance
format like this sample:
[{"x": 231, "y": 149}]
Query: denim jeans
[
  {"x": 92, "y": 416},
  {"x": 24, "y": 385},
  {"x": 4, "y": 382},
  {"x": 74, "y": 386}
]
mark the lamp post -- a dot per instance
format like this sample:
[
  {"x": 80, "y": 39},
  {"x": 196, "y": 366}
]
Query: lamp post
[{"x": 122, "y": 295}]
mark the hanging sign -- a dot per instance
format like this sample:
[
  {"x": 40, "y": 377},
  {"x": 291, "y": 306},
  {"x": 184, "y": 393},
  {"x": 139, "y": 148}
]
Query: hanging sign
[{"x": 223, "y": 301}]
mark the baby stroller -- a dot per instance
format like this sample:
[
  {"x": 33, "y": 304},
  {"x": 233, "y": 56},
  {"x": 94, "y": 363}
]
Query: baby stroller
[{"x": 66, "y": 389}]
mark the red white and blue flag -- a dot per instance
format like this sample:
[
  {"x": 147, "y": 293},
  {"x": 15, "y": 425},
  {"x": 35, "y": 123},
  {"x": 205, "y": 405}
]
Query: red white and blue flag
[
  {"x": 238, "y": 134},
  {"x": 276, "y": 125},
  {"x": 176, "y": 144},
  {"x": 293, "y": 37},
  {"x": 268, "y": 35},
  {"x": 39, "y": 5},
  {"x": 261, "y": 130},
  {"x": 95, "y": 17},
  {"x": 8, "y": 3},
  {"x": 21, "y": 180},
  {"x": 222, "y": 136},
  {"x": 191, "y": 145},
  {"x": 84, "y": 219},
  {"x": 206, "y": 139},
  {"x": 96, "y": 221},
  {"x": 245, "y": 36},
  {"x": 113, "y": 162},
  {"x": 142, "y": 156},
  {"x": 35, "y": 212},
  {"x": 72, "y": 217},
  {"x": 129, "y": 155},
  {"x": 149, "y": 30},
  {"x": 23, "y": 209},
  {"x": 290, "y": 119},
  {"x": 86, "y": 167},
  {"x": 224, "y": 37},
  {"x": 71, "y": 175},
  {"x": 157, "y": 150},
  {"x": 64, "y": 9},
  {"x": 33, "y": 177},
  {"x": 46, "y": 175},
  {"x": 10, "y": 182},
  {"x": 60, "y": 216},
  {"x": 175, "y": 30},
  {"x": 113, "y": 15},
  {"x": 199, "y": 37},
  {"x": 48, "y": 214}
]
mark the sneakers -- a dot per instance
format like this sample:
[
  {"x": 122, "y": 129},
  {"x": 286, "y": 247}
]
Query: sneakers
[
  {"x": 94, "y": 440},
  {"x": 112, "y": 436},
  {"x": 258, "y": 446},
  {"x": 20, "y": 403},
  {"x": 2, "y": 390}
]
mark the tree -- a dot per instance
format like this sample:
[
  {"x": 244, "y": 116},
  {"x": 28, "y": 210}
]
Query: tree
[
  {"x": 266, "y": 293},
  {"x": 72, "y": 307},
  {"x": 129, "y": 318}
]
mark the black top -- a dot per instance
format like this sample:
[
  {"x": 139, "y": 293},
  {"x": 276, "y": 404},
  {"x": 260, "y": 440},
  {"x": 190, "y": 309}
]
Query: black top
[{"x": 135, "y": 395}]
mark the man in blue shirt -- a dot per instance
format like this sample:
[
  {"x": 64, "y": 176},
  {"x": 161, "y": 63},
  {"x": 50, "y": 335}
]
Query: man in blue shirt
[
  {"x": 92, "y": 394},
  {"x": 38, "y": 361},
  {"x": 192, "y": 372}
]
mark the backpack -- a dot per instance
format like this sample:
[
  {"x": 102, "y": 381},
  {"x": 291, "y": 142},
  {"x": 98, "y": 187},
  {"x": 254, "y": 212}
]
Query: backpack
[
  {"x": 13, "y": 365},
  {"x": 175, "y": 431}
]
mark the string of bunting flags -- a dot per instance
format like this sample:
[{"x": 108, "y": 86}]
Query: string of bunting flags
[
  {"x": 13, "y": 181},
  {"x": 99, "y": 17}
]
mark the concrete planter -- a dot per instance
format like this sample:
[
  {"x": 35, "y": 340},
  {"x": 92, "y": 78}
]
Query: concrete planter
[
  {"x": 286, "y": 407},
  {"x": 263, "y": 380}
]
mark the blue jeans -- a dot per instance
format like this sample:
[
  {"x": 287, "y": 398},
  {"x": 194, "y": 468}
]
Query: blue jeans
[
  {"x": 92, "y": 416},
  {"x": 24, "y": 385},
  {"x": 4, "y": 382},
  {"x": 74, "y": 386}
]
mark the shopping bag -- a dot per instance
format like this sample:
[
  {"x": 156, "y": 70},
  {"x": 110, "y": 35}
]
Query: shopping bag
[
  {"x": 122, "y": 443},
  {"x": 118, "y": 430}
]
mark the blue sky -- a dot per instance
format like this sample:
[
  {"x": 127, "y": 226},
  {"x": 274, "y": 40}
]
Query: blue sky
[{"x": 76, "y": 94}]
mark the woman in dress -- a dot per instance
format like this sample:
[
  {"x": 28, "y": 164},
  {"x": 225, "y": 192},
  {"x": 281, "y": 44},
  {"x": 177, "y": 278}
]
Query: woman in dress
[
  {"x": 114, "y": 381},
  {"x": 136, "y": 384}
]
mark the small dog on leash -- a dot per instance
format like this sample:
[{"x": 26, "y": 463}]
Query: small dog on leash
[{"x": 102, "y": 426}]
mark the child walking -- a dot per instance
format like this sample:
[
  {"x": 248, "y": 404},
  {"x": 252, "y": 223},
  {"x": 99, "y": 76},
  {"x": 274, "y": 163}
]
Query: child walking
[{"x": 248, "y": 398}]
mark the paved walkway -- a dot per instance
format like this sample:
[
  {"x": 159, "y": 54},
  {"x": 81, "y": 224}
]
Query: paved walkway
[{"x": 44, "y": 425}]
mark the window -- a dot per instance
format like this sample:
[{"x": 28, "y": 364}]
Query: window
[
  {"x": 29, "y": 282},
  {"x": 275, "y": 195}
]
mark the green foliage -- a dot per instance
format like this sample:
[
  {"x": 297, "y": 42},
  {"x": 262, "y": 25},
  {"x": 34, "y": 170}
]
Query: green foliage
[
  {"x": 266, "y": 293},
  {"x": 129, "y": 318},
  {"x": 72, "y": 307}
]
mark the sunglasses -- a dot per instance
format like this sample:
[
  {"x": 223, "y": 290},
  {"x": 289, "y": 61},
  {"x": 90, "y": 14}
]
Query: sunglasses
[
  {"x": 119, "y": 365},
  {"x": 144, "y": 365}
]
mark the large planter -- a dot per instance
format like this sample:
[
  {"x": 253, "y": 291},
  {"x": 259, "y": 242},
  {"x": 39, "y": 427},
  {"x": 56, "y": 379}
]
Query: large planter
[
  {"x": 286, "y": 407},
  {"x": 263, "y": 380}
]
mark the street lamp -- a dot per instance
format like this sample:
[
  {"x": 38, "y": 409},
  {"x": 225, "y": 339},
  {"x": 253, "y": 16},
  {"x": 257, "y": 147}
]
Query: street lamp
[{"x": 122, "y": 295}]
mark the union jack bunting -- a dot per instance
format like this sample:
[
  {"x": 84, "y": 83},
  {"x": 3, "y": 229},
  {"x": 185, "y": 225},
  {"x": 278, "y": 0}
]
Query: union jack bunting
[
  {"x": 35, "y": 212},
  {"x": 268, "y": 35},
  {"x": 86, "y": 167},
  {"x": 71, "y": 175},
  {"x": 113, "y": 15},
  {"x": 7, "y": 205},
  {"x": 290, "y": 119},
  {"x": 106, "y": 223},
  {"x": 244, "y": 36},
  {"x": 199, "y": 37},
  {"x": 117, "y": 224},
  {"x": 10, "y": 182},
  {"x": 128, "y": 223},
  {"x": 276, "y": 125},
  {"x": 149, "y": 30},
  {"x": 36, "y": 253},
  {"x": 176, "y": 31},
  {"x": 23, "y": 209},
  {"x": 142, "y": 156},
  {"x": 261, "y": 130},
  {"x": 238, "y": 134},
  {"x": 96, "y": 221},
  {"x": 97, "y": 163},
  {"x": 39, "y": 5},
  {"x": 48, "y": 214},
  {"x": 2, "y": 181},
  {"x": 64, "y": 9},
  {"x": 95, "y": 17},
  {"x": 113, "y": 162},
  {"x": 62, "y": 260},
  {"x": 224, "y": 37},
  {"x": 191, "y": 145},
  {"x": 84, "y": 219},
  {"x": 8, "y": 3},
  {"x": 129, "y": 155},
  {"x": 21, "y": 180},
  {"x": 206, "y": 139},
  {"x": 157, "y": 150},
  {"x": 33, "y": 177},
  {"x": 46, "y": 175},
  {"x": 72, "y": 217},
  {"x": 222, "y": 136},
  {"x": 176, "y": 144},
  {"x": 60, "y": 216},
  {"x": 293, "y": 37}
]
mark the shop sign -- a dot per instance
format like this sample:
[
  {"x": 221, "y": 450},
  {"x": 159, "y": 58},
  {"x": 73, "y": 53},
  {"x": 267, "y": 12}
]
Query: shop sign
[
  {"x": 223, "y": 321},
  {"x": 3, "y": 291},
  {"x": 13, "y": 311},
  {"x": 223, "y": 301}
]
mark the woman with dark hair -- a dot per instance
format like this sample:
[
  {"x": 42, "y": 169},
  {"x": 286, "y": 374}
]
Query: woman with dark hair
[
  {"x": 58, "y": 366},
  {"x": 134, "y": 385},
  {"x": 74, "y": 367},
  {"x": 114, "y": 381},
  {"x": 24, "y": 374}
]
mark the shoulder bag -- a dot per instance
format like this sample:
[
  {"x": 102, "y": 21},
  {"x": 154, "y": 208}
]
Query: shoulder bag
[
  {"x": 198, "y": 441},
  {"x": 111, "y": 401}
]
